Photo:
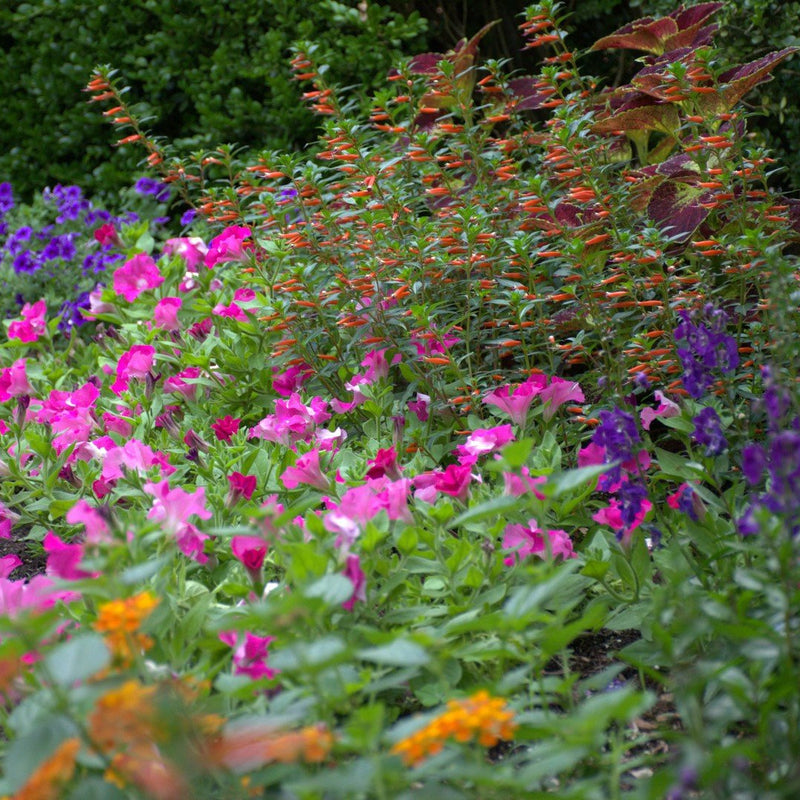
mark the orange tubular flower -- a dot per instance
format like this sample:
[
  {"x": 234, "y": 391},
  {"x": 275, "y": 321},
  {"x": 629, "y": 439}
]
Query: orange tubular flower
[{"x": 480, "y": 718}]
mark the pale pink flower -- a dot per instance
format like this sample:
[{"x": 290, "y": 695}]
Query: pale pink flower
[
  {"x": 522, "y": 483},
  {"x": 137, "y": 275},
  {"x": 173, "y": 507},
  {"x": 192, "y": 249},
  {"x": 32, "y": 324},
  {"x": 97, "y": 529},
  {"x": 666, "y": 408},
  {"x": 558, "y": 392},
  {"x": 483, "y": 441}
]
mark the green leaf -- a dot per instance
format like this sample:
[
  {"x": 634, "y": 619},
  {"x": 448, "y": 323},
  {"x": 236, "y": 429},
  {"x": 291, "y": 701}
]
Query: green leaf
[
  {"x": 489, "y": 509},
  {"x": 78, "y": 659},
  {"x": 399, "y": 653},
  {"x": 332, "y": 589},
  {"x": 564, "y": 482}
]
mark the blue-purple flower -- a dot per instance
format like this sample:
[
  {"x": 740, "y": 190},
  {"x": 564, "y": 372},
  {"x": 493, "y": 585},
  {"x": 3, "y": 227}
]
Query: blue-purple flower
[
  {"x": 707, "y": 348},
  {"x": 708, "y": 432}
]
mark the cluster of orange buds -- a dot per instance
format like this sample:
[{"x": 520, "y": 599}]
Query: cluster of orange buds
[
  {"x": 123, "y": 716},
  {"x": 481, "y": 718},
  {"x": 120, "y": 620},
  {"x": 249, "y": 746},
  {"x": 52, "y": 775}
]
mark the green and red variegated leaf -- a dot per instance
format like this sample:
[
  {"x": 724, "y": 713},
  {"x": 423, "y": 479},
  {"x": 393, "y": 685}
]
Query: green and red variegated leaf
[
  {"x": 742, "y": 79},
  {"x": 654, "y": 117},
  {"x": 646, "y": 34},
  {"x": 677, "y": 208}
]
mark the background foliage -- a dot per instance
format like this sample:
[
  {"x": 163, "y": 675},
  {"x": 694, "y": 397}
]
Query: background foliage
[{"x": 212, "y": 77}]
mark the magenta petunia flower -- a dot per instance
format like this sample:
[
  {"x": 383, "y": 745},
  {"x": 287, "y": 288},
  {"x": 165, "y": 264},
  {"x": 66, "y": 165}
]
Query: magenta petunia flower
[
  {"x": 306, "y": 471},
  {"x": 241, "y": 485},
  {"x": 137, "y": 275},
  {"x": 250, "y": 654},
  {"x": 63, "y": 559},
  {"x": 32, "y": 324},
  {"x": 225, "y": 427},
  {"x": 14, "y": 381},
  {"x": 228, "y": 246},
  {"x": 356, "y": 576},
  {"x": 523, "y": 541},
  {"x": 134, "y": 363}
]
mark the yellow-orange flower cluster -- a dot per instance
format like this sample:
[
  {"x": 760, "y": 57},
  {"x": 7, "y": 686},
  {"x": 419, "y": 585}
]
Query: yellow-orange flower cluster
[
  {"x": 248, "y": 747},
  {"x": 480, "y": 718},
  {"x": 120, "y": 620},
  {"x": 49, "y": 779}
]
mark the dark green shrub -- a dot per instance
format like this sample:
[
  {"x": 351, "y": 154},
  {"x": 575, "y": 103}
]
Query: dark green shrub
[{"x": 210, "y": 75}]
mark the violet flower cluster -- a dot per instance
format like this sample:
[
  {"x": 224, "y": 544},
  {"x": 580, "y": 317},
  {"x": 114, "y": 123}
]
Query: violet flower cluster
[
  {"x": 775, "y": 463},
  {"x": 62, "y": 258},
  {"x": 706, "y": 348}
]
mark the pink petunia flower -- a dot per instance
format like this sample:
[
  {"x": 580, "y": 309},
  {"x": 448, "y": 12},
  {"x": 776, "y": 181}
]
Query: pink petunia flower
[
  {"x": 517, "y": 402},
  {"x": 173, "y": 507},
  {"x": 558, "y": 392},
  {"x": 356, "y": 576},
  {"x": 228, "y": 246},
  {"x": 241, "y": 486},
  {"x": 665, "y": 409},
  {"x": 14, "y": 381},
  {"x": 454, "y": 481},
  {"x": 134, "y": 363},
  {"x": 136, "y": 276},
  {"x": 165, "y": 314},
  {"x": 523, "y": 541},
  {"x": 483, "y": 441},
  {"x": 251, "y": 551},
  {"x": 63, "y": 559},
  {"x": 306, "y": 471},
  {"x": 250, "y": 654},
  {"x": 32, "y": 324},
  {"x": 192, "y": 249}
]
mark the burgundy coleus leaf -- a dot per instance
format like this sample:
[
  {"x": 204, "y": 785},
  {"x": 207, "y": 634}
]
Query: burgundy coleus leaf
[
  {"x": 527, "y": 96},
  {"x": 572, "y": 216},
  {"x": 677, "y": 208},
  {"x": 682, "y": 28},
  {"x": 690, "y": 21},
  {"x": 741, "y": 80},
  {"x": 425, "y": 63}
]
